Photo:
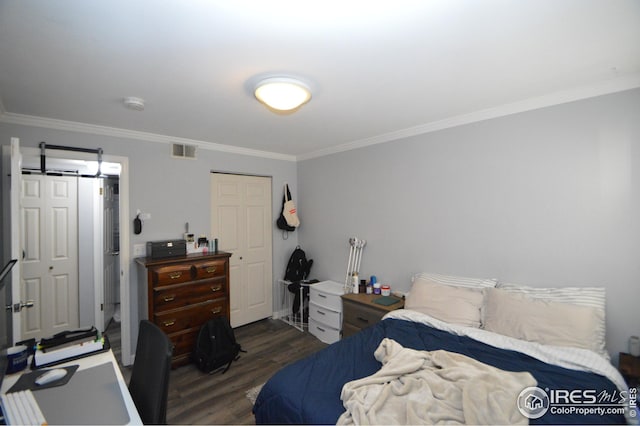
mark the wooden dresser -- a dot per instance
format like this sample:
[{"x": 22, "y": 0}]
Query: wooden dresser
[
  {"x": 182, "y": 293},
  {"x": 359, "y": 312}
]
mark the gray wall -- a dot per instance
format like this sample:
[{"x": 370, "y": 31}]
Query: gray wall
[
  {"x": 549, "y": 197},
  {"x": 545, "y": 198},
  {"x": 173, "y": 191}
]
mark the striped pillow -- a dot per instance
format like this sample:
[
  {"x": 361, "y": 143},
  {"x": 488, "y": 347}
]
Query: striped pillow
[
  {"x": 541, "y": 321},
  {"x": 456, "y": 281},
  {"x": 593, "y": 297}
]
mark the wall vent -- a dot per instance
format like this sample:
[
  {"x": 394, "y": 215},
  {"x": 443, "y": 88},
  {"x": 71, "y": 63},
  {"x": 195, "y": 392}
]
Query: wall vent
[{"x": 181, "y": 150}]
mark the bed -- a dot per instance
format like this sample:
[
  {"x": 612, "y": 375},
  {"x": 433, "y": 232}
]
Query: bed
[{"x": 333, "y": 385}]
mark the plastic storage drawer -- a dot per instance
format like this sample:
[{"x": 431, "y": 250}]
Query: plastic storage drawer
[
  {"x": 325, "y": 316},
  {"x": 323, "y": 332}
]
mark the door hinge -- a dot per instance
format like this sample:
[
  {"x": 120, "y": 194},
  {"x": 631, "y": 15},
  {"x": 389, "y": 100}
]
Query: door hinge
[{"x": 100, "y": 191}]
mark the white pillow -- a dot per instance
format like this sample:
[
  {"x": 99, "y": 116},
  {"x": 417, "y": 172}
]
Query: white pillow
[
  {"x": 455, "y": 305},
  {"x": 594, "y": 297},
  {"x": 452, "y": 280},
  {"x": 541, "y": 321}
]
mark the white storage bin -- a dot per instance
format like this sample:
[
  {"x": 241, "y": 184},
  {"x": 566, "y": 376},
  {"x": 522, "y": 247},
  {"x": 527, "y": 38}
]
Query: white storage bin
[
  {"x": 323, "y": 332},
  {"x": 325, "y": 316}
]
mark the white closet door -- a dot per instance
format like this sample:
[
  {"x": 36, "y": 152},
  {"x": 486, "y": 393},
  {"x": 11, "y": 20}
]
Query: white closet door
[
  {"x": 241, "y": 220},
  {"x": 50, "y": 254}
]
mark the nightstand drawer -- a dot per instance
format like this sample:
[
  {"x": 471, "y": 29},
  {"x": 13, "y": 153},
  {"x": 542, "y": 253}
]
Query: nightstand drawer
[
  {"x": 325, "y": 316},
  {"x": 362, "y": 316},
  {"x": 349, "y": 330}
]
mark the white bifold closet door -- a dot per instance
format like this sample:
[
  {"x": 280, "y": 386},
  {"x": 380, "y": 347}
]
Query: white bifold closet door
[{"x": 241, "y": 219}]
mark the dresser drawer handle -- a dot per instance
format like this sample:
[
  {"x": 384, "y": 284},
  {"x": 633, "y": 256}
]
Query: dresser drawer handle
[
  {"x": 169, "y": 323},
  {"x": 216, "y": 288},
  {"x": 322, "y": 295},
  {"x": 321, "y": 329},
  {"x": 363, "y": 320},
  {"x": 320, "y": 312},
  {"x": 175, "y": 275},
  {"x": 169, "y": 298},
  {"x": 211, "y": 269},
  {"x": 216, "y": 311}
]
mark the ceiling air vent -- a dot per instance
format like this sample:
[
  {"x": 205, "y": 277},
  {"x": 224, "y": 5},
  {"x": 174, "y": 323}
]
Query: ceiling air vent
[{"x": 183, "y": 151}]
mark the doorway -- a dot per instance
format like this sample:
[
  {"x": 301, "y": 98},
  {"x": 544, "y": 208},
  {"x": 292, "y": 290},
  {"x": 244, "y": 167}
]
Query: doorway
[
  {"x": 28, "y": 157},
  {"x": 99, "y": 263}
]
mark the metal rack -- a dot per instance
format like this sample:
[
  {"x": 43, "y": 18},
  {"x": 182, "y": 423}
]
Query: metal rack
[{"x": 298, "y": 320}]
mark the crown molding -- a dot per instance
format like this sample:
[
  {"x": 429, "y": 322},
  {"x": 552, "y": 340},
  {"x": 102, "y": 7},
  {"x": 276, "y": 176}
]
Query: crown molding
[
  {"x": 72, "y": 126},
  {"x": 629, "y": 82}
]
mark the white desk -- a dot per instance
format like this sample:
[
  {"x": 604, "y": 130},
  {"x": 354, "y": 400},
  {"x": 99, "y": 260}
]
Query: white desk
[{"x": 85, "y": 363}]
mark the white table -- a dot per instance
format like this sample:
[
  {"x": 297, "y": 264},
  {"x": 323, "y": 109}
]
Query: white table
[{"x": 85, "y": 363}]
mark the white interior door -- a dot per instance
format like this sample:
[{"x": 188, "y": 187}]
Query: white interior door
[
  {"x": 50, "y": 254},
  {"x": 241, "y": 220}
]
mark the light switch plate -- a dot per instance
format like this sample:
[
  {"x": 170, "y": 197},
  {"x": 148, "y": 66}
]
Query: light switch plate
[{"x": 139, "y": 250}]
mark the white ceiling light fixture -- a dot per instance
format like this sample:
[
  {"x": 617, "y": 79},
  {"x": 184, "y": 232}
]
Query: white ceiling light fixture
[
  {"x": 136, "y": 104},
  {"x": 282, "y": 93}
]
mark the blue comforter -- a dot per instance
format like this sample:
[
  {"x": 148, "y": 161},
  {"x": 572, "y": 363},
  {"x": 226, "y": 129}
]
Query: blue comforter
[{"x": 308, "y": 391}]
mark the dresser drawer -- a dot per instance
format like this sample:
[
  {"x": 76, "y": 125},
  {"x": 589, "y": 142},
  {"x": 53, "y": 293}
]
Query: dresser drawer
[
  {"x": 325, "y": 316},
  {"x": 323, "y": 332},
  {"x": 190, "y": 293},
  {"x": 192, "y": 316},
  {"x": 184, "y": 341},
  {"x": 361, "y": 316},
  {"x": 210, "y": 269},
  {"x": 171, "y": 274}
]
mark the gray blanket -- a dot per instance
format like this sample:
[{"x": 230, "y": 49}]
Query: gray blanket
[{"x": 421, "y": 387}]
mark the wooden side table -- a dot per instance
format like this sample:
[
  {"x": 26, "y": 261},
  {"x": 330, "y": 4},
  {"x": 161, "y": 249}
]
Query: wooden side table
[
  {"x": 359, "y": 312},
  {"x": 629, "y": 367}
]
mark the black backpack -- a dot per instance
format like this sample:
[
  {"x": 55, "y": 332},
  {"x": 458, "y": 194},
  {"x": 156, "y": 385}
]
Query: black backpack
[
  {"x": 298, "y": 267},
  {"x": 216, "y": 346}
]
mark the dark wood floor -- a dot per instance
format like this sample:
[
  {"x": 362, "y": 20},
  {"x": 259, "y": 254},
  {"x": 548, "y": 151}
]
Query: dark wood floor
[{"x": 199, "y": 398}]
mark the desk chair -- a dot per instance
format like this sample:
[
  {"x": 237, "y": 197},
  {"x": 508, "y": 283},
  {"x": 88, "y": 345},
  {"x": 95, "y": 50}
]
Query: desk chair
[{"x": 149, "y": 384}]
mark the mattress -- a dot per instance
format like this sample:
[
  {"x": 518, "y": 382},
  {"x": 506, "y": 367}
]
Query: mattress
[{"x": 308, "y": 391}]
